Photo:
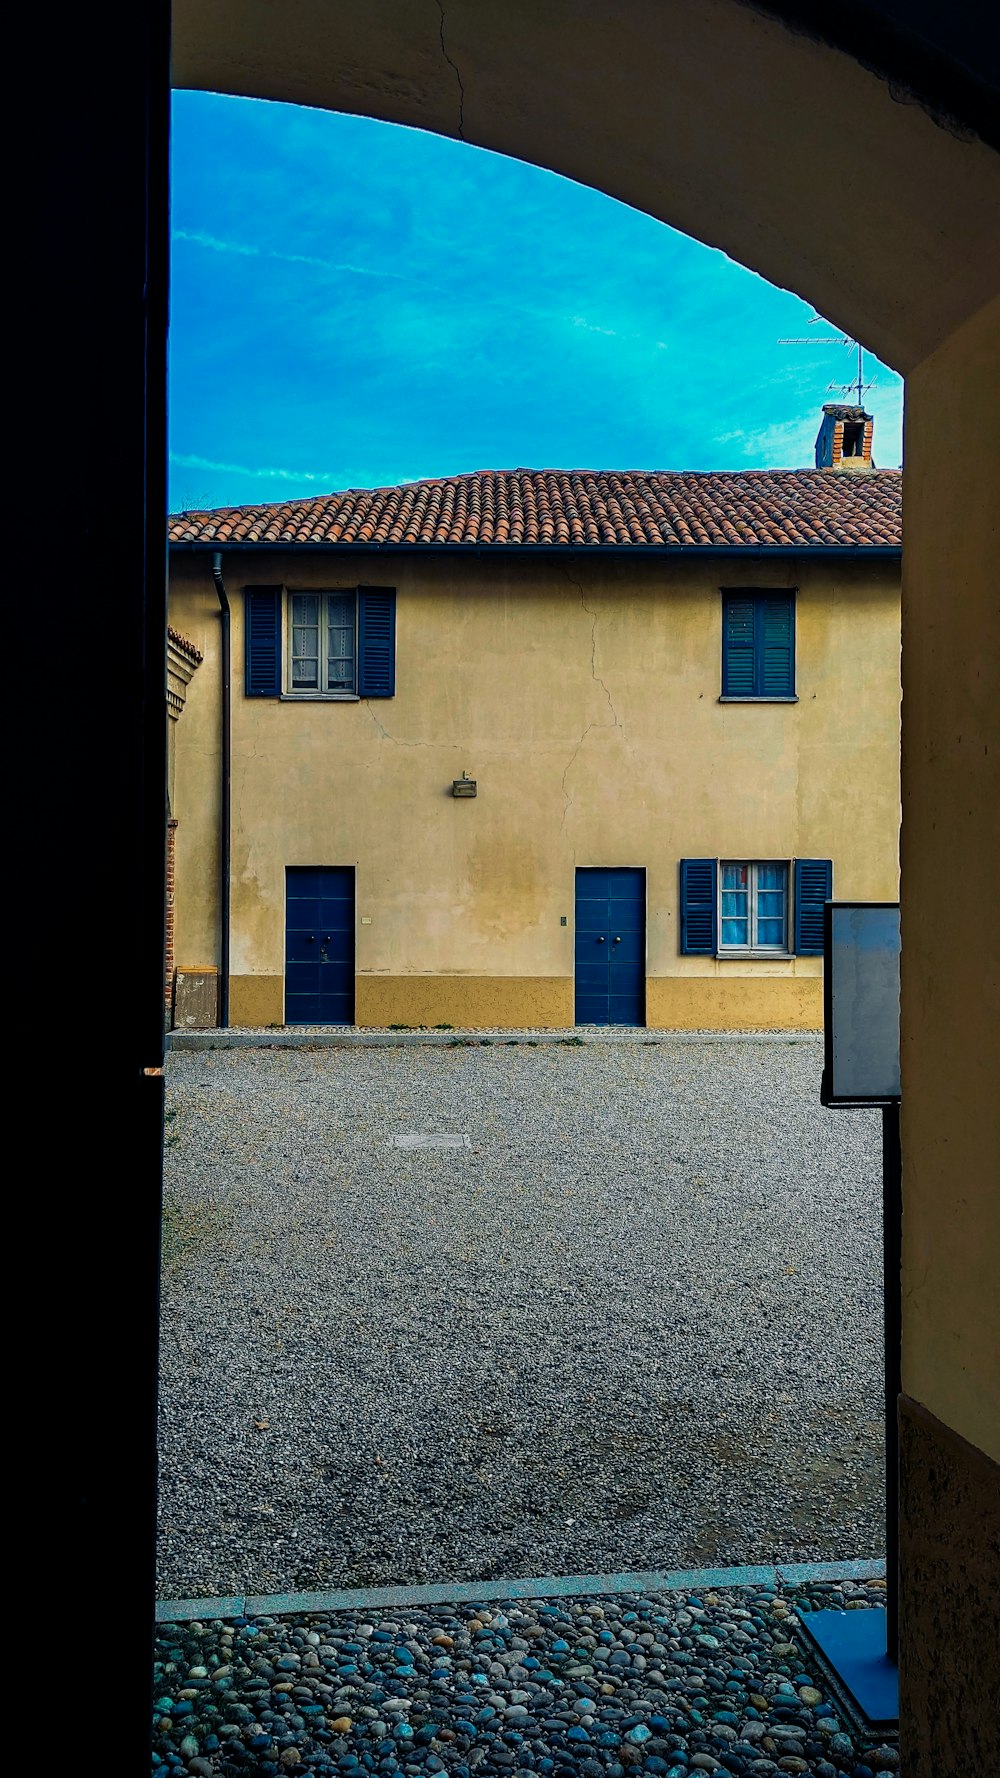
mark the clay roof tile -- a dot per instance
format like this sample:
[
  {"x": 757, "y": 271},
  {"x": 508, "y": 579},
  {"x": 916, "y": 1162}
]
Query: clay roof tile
[{"x": 793, "y": 509}]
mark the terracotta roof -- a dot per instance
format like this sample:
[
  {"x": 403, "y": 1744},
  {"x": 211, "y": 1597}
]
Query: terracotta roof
[
  {"x": 186, "y": 647},
  {"x": 783, "y": 508}
]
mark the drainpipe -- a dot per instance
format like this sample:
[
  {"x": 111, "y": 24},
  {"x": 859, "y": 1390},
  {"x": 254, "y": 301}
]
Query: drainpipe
[{"x": 225, "y": 817}]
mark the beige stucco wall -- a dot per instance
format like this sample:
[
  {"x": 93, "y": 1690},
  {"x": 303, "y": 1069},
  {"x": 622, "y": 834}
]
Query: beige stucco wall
[
  {"x": 583, "y": 698},
  {"x": 951, "y": 870}
]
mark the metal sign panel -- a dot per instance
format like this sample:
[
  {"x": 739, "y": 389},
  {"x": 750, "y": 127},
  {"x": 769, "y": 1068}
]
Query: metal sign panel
[{"x": 861, "y": 1003}]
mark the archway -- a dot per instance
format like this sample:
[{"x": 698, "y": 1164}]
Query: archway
[
  {"x": 786, "y": 154},
  {"x": 802, "y": 165}
]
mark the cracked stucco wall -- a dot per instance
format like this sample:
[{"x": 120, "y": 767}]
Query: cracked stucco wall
[{"x": 583, "y": 698}]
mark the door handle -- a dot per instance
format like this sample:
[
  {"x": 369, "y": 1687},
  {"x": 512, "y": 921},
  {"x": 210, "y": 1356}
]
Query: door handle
[
  {"x": 618, "y": 941},
  {"x": 600, "y": 940},
  {"x": 311, "y": 940}
]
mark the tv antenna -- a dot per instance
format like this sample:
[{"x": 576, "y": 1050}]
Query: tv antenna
[{"x": 857, "y": 385}]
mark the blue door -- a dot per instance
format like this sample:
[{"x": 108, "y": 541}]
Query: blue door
[
  {"x": 319, "y": 946},
  {"x": 610, "y": 947}
]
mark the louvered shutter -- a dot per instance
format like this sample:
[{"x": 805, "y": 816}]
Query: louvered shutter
[
  {"x": 262, "y": 632},
  {"x": 813, "y": 886},
  {"x": 776, "y": 647},
  {"x": 699, "y": 907},
  {"x": 376, "y": 641},
  {"x": 737, "y": 647}
]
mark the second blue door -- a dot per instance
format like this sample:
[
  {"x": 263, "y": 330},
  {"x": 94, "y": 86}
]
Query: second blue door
[
  {"x": 319, "y": 946},
  {"x": 610, "y": 947}
]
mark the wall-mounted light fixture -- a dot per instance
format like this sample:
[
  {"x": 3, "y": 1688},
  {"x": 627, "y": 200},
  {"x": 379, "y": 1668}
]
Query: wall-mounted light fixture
[{"x": 463, "y": 786}]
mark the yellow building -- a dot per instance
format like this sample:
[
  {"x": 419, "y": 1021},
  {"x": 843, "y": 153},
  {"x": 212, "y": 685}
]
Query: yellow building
[{"x": 537, "y": 747}]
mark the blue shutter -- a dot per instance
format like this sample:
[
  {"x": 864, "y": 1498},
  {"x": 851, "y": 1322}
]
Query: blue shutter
[
  {"x": 262, "y": 633},
  {"x": 813, "y": 886},
  {"x": 376, "y": 641},
  {"x": 699, "y": 907},
  {"x": 737, "y": 647},
  {"x": 776, "y": 646}
]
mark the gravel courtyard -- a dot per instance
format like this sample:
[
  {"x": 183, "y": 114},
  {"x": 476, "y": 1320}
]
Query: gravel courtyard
[{"x": 632, "y": 1322}]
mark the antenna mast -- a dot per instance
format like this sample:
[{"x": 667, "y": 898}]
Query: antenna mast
[{"x": 839, "y": 339}]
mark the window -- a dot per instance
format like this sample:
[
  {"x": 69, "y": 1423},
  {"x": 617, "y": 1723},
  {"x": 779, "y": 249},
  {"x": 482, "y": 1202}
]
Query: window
[
  {"x": 753, "y": 911},
  {"x": 322, "y": 644},
  {"x": 758, "y": 646},
  {"x": 322, "y": 654}
]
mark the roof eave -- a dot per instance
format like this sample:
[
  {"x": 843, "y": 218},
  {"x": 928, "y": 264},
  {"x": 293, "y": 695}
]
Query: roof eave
[{"x": 747, "y": 551}]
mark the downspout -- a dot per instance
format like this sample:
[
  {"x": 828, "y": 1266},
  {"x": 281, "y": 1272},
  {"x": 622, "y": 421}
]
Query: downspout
[{"x": 225, "y": 815}]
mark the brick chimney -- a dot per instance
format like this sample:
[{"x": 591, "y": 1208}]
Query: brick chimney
[{"x": 844, "y": 440}]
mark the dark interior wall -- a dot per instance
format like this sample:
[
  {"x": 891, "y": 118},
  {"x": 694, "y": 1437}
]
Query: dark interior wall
[
  {"x": 949, "y": 1601},
  {"x": 89, "y": 339}
]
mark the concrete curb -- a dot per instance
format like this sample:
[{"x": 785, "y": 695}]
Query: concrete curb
[
  {"x": 685, "y": 1580},
  {"x": 350, "y": 1038}
]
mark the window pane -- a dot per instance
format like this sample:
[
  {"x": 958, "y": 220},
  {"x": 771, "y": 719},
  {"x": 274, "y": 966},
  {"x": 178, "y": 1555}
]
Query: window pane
[
  {"x": 305, "y": 641},
  {"x": 734, "y": 932},
  {"x": 770, "y": 906},
  {"x": 771, "y": 932},
  {"x": 735, "y": 907},
  {"x": 340, "y": 643},
  {"x": 340, "y": 609}
]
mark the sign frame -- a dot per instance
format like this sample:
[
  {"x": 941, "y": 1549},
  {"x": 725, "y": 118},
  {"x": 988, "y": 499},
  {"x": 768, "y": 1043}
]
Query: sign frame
[{"x": 832, "y": 1101}]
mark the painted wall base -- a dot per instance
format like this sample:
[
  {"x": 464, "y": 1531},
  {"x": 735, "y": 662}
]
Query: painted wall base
[
  {"x": 949, "y": 1620},
  {"x": 734, "y": 1003},
  {"x": 256, "y": 1000},
  {"x": 475, "y": 1002},
  {"x": 512, "y": 1003}
]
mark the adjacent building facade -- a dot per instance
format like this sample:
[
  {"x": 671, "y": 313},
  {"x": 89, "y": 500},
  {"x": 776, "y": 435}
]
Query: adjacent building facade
[{"x": 537, "y": 748}]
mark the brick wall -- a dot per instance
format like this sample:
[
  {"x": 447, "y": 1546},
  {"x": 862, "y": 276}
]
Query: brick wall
[{"x": 837, "y": 452}]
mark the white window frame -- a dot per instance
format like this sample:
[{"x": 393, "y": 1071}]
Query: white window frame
[
  {"x": 317, "y": 694},
  {"x": 753, "y": 949}
]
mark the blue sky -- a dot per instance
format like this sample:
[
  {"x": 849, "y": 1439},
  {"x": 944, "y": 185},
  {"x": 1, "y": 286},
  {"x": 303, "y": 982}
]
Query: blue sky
[{"x": 356, "y": 304}]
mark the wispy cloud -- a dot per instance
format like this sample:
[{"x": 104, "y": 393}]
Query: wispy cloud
[
  {"x": 247, "y": 250},
  {"x": 350, "y": 268},
  {"x": 186, "y": 460},
  {"x": 616, "y": 333},
  {"x": 785, "y": 442}
]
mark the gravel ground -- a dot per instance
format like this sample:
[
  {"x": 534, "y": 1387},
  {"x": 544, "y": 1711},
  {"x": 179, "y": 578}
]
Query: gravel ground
[
  {"x": 671, "y": 1684},
  {"x": 350, "y": 1036},
  {"x": 634, "y": 1324}
]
